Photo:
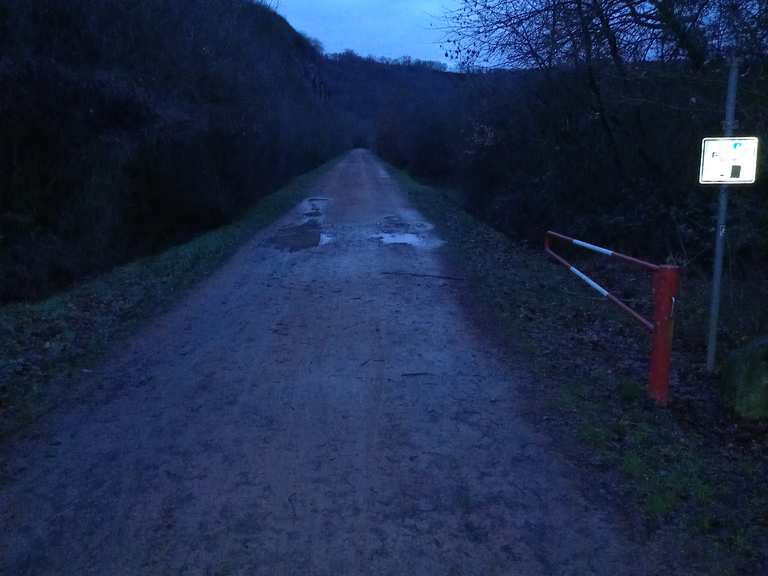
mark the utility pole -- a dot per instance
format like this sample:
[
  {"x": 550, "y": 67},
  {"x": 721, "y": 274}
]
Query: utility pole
[{"x": 722, "y": 213}]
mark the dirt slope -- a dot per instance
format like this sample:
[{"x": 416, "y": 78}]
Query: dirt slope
[{"x": 322, "y": 405}]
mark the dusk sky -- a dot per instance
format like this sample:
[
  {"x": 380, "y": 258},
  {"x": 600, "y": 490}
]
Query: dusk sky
[{"x": 389, "y": 28}]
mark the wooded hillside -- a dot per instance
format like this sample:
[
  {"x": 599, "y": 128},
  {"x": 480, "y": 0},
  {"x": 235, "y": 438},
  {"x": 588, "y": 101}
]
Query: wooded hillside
[{"x": 125, "y": 126}]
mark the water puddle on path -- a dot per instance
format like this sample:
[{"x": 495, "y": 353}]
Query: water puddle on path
[
  {"x": 409, "y": 239},
  {"x": 313, "y": 209},
  {"x": 405, "y": 230},
  {"x": 308, "y": 234}
]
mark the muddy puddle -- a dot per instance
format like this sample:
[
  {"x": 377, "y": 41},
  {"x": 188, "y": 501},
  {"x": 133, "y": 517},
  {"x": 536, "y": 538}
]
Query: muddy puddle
[
  {"x": 405, "y": 230},
  {"x": 309, "y": 233},
  {"x": 408, "y": 239}
]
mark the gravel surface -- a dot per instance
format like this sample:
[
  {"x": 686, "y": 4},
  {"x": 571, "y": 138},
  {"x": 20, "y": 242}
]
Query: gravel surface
[{"x": 323, "y": 404}]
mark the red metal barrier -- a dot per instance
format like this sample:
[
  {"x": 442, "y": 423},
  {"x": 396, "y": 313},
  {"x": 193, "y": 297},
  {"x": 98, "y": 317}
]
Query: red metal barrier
[{"x": 666, "y": 282}]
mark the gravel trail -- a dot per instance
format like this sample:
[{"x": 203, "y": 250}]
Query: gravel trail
[{"x": 322, "y": 405}]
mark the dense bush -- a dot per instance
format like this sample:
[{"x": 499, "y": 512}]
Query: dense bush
[
  {"x": 600, "y": 135},
  {"x": 626, "y": 176},
  {"x": 125, "y": 126},
  {"x": 533, "y": 152}
]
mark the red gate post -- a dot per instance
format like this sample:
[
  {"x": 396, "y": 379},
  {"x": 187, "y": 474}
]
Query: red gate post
[{"x": 666, "y": 282}]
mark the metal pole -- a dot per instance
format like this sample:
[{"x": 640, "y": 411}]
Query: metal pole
[{"x": 722, "y": 213}]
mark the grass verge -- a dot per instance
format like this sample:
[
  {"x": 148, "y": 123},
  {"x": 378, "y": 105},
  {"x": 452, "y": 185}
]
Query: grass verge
[
  {"x": 692, "y": 473},
  {"x": 45, "y": 347}
]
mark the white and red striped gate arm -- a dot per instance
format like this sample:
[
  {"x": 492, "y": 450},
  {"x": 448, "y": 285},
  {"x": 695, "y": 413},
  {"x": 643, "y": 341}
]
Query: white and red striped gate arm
[{"x": 666, "y": 281}]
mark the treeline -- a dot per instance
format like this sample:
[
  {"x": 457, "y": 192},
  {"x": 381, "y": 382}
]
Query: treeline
[
  {"x": 535, "y": 149},
  {"x": 126, "y": 126},
  {"x": 409, "y": 111},
  {"x": 600, "y": 134},
  {"x": 532, "y": 152}
]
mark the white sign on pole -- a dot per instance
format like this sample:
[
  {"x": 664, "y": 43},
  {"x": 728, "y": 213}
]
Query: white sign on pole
[{"x": 728, "y": 161}]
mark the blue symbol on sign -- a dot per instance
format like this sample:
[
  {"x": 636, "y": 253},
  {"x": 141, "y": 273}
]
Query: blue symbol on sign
[{"x": 736, "y": 145}]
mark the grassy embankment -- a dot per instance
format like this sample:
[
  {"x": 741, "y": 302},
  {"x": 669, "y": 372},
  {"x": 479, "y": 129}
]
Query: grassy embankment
[
  {"x": 692, "y": 469},
  {"x": 46, "y": 346}
]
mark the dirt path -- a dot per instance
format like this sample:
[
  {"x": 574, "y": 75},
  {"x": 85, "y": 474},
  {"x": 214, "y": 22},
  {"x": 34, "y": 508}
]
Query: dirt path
[{"x": 321, "y": 406}]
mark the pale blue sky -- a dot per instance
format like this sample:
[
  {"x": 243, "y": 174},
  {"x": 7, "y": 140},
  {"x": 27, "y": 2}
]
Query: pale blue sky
[{"x": 388, "y": 28}]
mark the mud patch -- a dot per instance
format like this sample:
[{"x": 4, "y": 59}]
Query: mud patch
[
  {"x": 398, "y": 224},
  {"x": 313, "y": 209},
  {"x": 399, "y": 231},
  {"x": 393, "y": 224},
  {"x": 295, "y": 238}
]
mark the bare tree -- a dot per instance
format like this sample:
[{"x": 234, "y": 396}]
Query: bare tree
[{"x": 546, "y": 33}]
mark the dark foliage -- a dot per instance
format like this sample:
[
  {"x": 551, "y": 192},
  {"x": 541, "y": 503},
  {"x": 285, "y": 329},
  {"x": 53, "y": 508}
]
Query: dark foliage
[
  {"x": 603, "y": 138},
  {"x": 625, "y": 175},
  {"x": 533, "y": 150},
  {"x": 126, "y": 126}
]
